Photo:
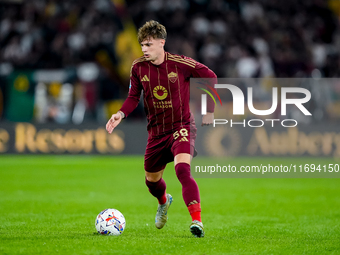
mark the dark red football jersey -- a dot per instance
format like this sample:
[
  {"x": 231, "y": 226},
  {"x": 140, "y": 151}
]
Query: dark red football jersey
[{"x": 166, "y": 91}]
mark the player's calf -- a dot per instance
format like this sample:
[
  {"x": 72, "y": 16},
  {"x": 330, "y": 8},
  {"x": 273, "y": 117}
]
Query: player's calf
[{"x": 191, "y": 197}]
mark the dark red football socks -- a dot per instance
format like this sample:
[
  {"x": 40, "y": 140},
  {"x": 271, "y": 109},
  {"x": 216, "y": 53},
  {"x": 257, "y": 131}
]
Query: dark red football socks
[
  {"x": 157, "y": 189},
  {"x": 190, "y": 190}
]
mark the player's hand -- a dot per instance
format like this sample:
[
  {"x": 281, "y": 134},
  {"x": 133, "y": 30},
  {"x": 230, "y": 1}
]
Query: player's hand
[
  {"x": 208, "y": 119},
  {"x": 113, "y": 122}
]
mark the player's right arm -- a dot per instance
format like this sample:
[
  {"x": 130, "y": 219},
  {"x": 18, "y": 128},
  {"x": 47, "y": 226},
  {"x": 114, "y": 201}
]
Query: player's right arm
[{"x": 130, "y": 103}]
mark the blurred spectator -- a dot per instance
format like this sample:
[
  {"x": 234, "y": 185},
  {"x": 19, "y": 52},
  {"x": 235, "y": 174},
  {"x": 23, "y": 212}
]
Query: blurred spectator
[
  {"x": 288, "y": 37},
  {"x": 247, "y": 38}
]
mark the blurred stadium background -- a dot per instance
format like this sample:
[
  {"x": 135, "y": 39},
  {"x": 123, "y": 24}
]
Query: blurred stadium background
[{"x": 64, "y": 65}]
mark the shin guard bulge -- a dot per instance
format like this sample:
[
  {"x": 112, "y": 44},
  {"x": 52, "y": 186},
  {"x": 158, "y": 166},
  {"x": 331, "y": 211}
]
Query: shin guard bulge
[
  {"x": 190, "y": 190},
  {"x": 157, "y": 189}
]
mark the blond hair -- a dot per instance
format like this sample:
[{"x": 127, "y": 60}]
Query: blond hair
[{"x": 152, "y": 29}]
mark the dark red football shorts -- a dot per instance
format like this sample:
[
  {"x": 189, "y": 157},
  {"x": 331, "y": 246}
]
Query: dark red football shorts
[{"x": 160, "y": 151}]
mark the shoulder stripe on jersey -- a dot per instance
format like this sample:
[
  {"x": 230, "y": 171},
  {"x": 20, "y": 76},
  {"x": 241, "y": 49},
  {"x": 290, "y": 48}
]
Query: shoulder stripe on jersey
[
  {"x": 135, "y": 62},
  {"x": 183, "y": 62},
  {"x": 185, "y": 59},
  {"x": 180, "y": 57},
  {"x": 141, "y": 59}
]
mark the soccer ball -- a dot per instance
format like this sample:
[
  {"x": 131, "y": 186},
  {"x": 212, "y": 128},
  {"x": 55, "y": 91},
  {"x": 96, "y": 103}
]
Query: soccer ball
[{"x": 110, "y": 222}]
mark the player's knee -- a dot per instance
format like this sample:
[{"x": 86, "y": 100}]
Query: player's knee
[
  {"x": 183, "y": 158},
  {"x": 153, "y": 177}
]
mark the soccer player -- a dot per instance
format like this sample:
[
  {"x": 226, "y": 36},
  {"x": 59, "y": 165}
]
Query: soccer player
[{"x": 164, "y": 80}]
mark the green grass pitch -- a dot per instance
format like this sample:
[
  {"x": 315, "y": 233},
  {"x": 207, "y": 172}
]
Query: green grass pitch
[{"x": 48, "y": 205}]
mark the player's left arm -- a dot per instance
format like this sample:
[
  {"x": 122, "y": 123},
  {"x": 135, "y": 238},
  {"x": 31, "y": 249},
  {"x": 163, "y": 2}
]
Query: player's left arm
[
  {"x": 208, "y": 119},
  {"x": 202, "y": 71}
]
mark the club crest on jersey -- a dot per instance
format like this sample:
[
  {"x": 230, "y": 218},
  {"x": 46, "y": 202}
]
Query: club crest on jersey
[
  {"x": 172, "y": 77},
  {"x": 160, "y": 92}
]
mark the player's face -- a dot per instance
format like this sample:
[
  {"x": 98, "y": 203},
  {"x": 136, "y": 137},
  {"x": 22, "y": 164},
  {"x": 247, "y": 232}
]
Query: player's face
[{"x": 152, "y": 48}]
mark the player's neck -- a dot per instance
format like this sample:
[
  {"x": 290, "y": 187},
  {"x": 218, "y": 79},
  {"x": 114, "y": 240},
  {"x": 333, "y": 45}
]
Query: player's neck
[{"x": 160, "y": 59}]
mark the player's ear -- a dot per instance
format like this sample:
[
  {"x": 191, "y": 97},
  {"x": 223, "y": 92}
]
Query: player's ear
[{"x": 162, "y": 41}]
